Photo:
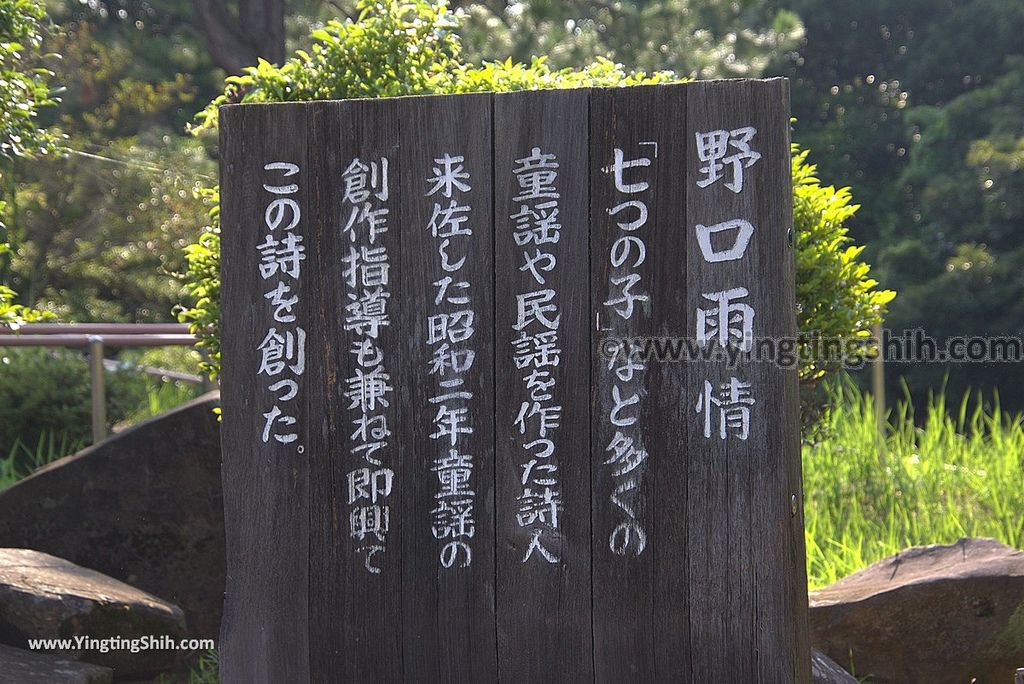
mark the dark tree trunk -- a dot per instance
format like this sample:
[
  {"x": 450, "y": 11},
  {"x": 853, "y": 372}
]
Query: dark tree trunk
[{"x": 238, "y": 41}]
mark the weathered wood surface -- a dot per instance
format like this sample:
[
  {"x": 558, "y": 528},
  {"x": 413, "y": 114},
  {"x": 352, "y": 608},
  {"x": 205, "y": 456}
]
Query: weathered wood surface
[
  {"x": 355, "y": 550},
  {"x": 741, "y": 530},
  {"x": 265, "y": 628},
  {"x": 448, "y": 353},
  {"x": 638, "y": 160},
  {"x": 555, "y": 512},
  {"x": 542, "y": 412}
]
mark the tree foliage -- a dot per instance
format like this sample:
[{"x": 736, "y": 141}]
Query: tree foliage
[
  {"x": 919, "y": 105},
  {"x": 24, "y": 87},
  {"x": 695, "y": 38},
  {"x": 24, "y": 91},
  {"x": 97, "y": 231},
  {"x": 414, "y": 48}
]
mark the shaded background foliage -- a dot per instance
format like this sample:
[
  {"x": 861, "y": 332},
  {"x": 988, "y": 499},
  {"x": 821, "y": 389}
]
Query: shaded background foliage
[
  {"x": 45, "y": 393},
  {"x": 710, "y": 39},
  {"x": 919, "y": 105}
]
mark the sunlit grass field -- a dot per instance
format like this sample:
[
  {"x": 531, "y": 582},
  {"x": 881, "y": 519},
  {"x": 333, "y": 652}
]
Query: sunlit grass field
[{"x": 961, "y": 473}]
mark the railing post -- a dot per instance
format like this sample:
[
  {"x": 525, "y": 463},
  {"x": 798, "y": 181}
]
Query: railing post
[
  {"x": 878, "y": 379},
  {"x": 99, "y": 399}
]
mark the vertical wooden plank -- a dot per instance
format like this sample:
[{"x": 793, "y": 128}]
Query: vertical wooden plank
[
  {"x": 264, "y": 635},
  {"x": 721, "y": 614},
  {"x": 743, "y": 621},
  {"x": 639, "y": 427},
  {"x": 542, "y": 351},
  {"x": 356, "y": 514},
  {"x": 782, "y": 621},
  {"x": 669, "y": 421},
  {"x": 448, "y": 332}
]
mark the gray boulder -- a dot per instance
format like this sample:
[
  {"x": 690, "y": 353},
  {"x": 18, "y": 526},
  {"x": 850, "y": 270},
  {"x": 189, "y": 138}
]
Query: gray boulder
[
  {"x": 143, "y": 507},
  {"x": 43, "y": 597},
  {"x": 25, "y": 667},
  {"x": 931, "y": 614}
]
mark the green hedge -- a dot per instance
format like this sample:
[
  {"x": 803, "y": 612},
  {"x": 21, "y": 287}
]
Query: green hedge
[{"x": 46, "y": 393}]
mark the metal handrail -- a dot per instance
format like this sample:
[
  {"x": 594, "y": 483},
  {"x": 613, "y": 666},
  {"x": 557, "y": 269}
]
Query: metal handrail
[
  {"x": 97, "y": 329},
  {"x": 96, "y": 336},
  {"x": 84, "y": 340}
]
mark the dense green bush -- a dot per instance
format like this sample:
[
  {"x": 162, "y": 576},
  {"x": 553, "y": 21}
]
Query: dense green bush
[
  {"x": 835, "y": 294},
  {"x": 412, "y": 48},
  {"x": 45, "y": 393}
]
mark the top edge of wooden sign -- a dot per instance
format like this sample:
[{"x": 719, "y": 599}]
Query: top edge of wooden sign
[{"x": 521, "y": 93}]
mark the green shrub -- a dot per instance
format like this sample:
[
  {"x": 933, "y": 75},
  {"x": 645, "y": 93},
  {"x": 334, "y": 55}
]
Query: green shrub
[
  {"x": 202, "y": 283},
  {"x": 412, "y": 48},
  {"x": 47, "y": 393},
  {"x": 835, "y": 294},
  {"x": 206, "y": 670},
  {"x": 12, "y": 314}
]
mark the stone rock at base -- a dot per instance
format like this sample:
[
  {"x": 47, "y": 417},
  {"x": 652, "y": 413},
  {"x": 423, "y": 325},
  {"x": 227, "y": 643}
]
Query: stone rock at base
[
  {"x": 25, "y": 667},
  {"x": 930, "y": 614},
  {"x": 824, "y": 670},
  {"x": 44, "y": 597},
  {"x": 143, "y": 507}
]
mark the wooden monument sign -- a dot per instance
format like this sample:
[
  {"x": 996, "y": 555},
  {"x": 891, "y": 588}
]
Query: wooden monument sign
[{"x": 455, "y": 447}]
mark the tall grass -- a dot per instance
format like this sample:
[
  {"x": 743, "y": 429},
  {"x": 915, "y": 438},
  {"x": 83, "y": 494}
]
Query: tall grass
[
  {"x": 206, "y": 670},
  {"x": 953, "y": 474},
  {"x": 22, "y": 459},
  {"x": 162, "y": 396}
]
